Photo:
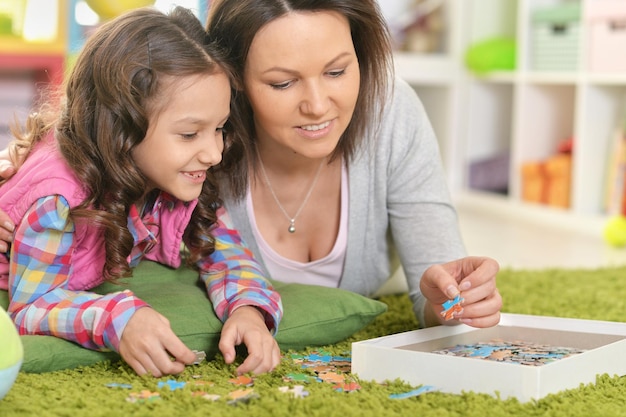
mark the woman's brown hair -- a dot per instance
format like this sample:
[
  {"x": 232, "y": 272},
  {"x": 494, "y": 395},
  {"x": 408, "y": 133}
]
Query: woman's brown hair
[{"x": 233, "y": 24}]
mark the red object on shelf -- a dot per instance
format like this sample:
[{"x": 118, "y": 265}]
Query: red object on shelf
[{"x": 45, "y": 68}]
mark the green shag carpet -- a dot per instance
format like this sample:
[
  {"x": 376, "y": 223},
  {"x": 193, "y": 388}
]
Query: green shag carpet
[{"x": 597, "y": 294}]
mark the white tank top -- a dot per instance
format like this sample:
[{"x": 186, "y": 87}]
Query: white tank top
[{"x": 326, "y": 271}]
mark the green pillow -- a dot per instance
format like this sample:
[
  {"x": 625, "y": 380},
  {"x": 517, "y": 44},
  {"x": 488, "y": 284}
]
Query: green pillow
[{"x": 313, "y": 316}]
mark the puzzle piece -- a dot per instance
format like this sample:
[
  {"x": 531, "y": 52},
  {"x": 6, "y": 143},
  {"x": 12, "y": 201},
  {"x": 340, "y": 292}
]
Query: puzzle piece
[
  {"x": 414, "y": 393},
  {"x": 297, "y": 391},
  {"x": 332, "y": 377},
  {"x": 451, "y": 307},
  {"x": 206, "y": 396},
  {"x": 118, "y": 385},
  {"x": 172, "y": 384},
  {"x": 524, "y": 353},
  {"x": 200, "y": 356},
  {"x": 347, "y": 387},
  {"x": 241, "y": 395},
  {"x": 297, "y": 378},
  {"x": 143, "y": 396},
  {"x": 242, "y": 380}
]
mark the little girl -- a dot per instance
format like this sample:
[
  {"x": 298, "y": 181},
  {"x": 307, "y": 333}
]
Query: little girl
[{"x": 123, "y": 173}]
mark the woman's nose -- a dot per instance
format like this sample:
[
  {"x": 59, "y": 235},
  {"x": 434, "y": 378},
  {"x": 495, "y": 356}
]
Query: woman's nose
[{"x": 316, "y": 100}]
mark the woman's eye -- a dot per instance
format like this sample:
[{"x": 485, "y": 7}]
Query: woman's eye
[
  {"x": 337, "y": 73},
  {"x": 281, "y": 86}
]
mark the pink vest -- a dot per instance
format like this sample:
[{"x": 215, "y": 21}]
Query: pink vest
[{"x": 45, "y": 173}]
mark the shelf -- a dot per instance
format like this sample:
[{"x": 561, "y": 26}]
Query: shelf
[
  {"x": 426, "y": 69},
  {"x": 495, "y": 205},
  {"x": 17, "y": 46}
]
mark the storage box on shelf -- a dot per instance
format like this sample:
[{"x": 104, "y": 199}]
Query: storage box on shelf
[
  {"x": 606, "y": 20},
  {"x": 556, "y": 37}
]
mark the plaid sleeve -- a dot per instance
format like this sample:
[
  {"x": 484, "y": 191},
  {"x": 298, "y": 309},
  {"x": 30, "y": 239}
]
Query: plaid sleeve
[
  {"x": 40, "y": 268},
  {"x": 234, "y": 278}
]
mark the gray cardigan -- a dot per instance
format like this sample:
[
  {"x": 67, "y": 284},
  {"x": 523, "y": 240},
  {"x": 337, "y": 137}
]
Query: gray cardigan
[{"x": 398, "y": 199}]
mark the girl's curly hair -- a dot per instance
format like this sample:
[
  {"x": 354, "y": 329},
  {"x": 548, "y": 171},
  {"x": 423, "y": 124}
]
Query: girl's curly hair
[{"x": 110, "y": 96}]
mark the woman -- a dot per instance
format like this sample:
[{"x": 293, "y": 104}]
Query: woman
[
  {"x": 340, "y": 164},
  {"x": 339, "y": 157}
]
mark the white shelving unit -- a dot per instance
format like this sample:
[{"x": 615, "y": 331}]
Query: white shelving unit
[{"x": 525, "y": 112}]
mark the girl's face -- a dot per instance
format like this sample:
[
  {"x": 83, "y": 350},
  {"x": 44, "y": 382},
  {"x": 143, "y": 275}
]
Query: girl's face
[
  {"x": 185, "y": 136},
  {"x": 302, "y": 79}
]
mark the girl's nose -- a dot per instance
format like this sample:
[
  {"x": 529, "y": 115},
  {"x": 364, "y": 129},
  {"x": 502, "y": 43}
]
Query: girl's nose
[{"x": 211, "y": 153}]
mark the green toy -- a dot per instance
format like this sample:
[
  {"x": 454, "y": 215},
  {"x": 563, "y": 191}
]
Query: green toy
[
  {"x": 494, "y": 54},
  {"x": 11, "y": 353},
  {"x": 615, "y": 231}
]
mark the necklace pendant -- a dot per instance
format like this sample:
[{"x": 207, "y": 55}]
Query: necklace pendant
[{"x": 292, "y": 226}]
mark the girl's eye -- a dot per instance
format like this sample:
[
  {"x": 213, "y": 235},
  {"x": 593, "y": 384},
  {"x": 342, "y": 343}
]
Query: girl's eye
[
  {"x": 337, "y": 73},
  {"x": 281, "y": 86},
  {"x": 189, "y": 135}
]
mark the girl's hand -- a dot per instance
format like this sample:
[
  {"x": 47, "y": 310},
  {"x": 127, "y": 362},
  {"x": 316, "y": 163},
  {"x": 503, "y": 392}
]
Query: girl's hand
[
  {"x": 247, "y": 325},
  {"x": 149, "y": 345},
  {"x": 474, "y": 278}
]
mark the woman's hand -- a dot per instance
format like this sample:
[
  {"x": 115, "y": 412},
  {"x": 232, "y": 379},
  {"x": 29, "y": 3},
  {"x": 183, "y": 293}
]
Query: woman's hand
[
  {"x": 474, "y": 278},
  {"x": 247, "y": 325},
  {"x": 150, "y": 346}
]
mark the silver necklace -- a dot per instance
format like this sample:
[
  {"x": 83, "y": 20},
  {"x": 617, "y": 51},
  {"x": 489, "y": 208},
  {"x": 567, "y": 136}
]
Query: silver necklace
[{"x": 292, "y": 220}]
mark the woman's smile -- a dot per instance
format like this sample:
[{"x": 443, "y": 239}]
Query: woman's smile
[{"x": 316, "y": 131}]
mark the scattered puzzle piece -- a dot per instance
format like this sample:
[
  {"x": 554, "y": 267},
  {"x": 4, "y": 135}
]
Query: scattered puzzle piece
[
  {"x": 143, "y": 396},
  {"x": 297, "y": 391},
  {"x": 347, "y": 387},
  {"x": 242, "y": 380},
  {"x": 202, "y": 394},
  {"x": 297, "y": 378},
  {"x": 332, "y": 377},
  {"x": 172, "y": 384},
  {"x": 241, "y": 395},
  {"x": 414, "y": 393},
  {"x": 118, "y": 385}
]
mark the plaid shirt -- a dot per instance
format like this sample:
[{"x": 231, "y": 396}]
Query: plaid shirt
[{"x": 41, "y": 267}]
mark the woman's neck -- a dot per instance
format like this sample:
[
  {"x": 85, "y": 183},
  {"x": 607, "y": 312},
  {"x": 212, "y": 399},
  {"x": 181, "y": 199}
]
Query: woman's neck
[{"x": 284, "y": 161}]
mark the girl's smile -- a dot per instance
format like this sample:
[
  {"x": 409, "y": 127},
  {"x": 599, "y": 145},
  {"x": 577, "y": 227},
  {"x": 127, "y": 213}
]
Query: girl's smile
[{"x": 185, "y": 138}]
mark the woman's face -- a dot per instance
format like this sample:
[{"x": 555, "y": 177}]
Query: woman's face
[{"x": 302, "y": 79}]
